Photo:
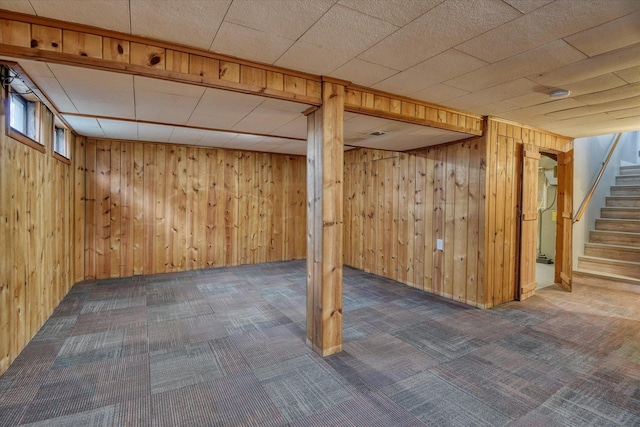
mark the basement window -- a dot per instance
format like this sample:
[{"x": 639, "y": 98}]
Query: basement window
[
  {"x": 23, "y": 108},
  {"x": 60, "y": 146}
]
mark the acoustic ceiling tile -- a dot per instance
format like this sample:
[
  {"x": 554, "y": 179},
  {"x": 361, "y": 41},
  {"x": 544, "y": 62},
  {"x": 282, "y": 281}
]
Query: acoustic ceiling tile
[
  {"x": 85, "y": 126},
  {"x": 17, "y": 6},
  {"x": 438, "y": 93},
  {"x": 435, "y": 32},
  {"x": 623, "y": 92},
  {"x": 147, "y": 84},
  {"x": 397, "y": 12},
  {"x": 363, "y": 73},
  {"x": 539, "y": 60},
  {"x": 186, "y": 136},
  {"x": 112, "y": 15},
  {"x": 630, "y": 75},
  {"x": 203, "y": 18},
  {"x": 552, "y": 21},
  {"x": 154, "y": 132},
  {"x": 337, "y": 37},
  {"x": 164, "y": 108},
  {"x": 118, "y": 129},
  {"x": 249, "y": 43},
  {"x": 613, "y": 35},
  {"x": 526, "y": 6},
  {"x": 444, "y": 66},
  {"x": 288, "y": 19}
]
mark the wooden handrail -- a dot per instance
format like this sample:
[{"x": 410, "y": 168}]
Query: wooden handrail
[{"x": 587, "y": 199}]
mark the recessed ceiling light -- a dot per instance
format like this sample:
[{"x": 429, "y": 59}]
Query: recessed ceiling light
[
  {"x": 559, "y": 93},
  {"x": 377, "y": 133}
]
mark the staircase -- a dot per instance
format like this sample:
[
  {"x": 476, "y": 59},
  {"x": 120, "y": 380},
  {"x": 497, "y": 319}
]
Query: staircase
[{"x": 612, "y": 256}]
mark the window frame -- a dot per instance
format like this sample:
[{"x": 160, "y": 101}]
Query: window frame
[
  {"x": 63, "y": 157},
  {"x": 17, "y": 134}
]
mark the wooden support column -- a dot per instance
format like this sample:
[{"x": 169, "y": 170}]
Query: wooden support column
[{"x": 325, "y": 161}]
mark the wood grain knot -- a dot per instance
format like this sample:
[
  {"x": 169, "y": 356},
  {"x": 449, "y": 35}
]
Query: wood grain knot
[
  {"x": 54, "y": 44},
  {"x": 83, "y": 54},
  {"x": 34, "y": 43},
  {"x": 154, "y": 60}
]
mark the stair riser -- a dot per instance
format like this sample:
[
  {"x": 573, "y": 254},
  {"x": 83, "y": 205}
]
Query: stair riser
[
  {"x": 630, "y": 170},
  {"x": 583, "y": 278},
  {"x": 615, "y": 239},
  {"x": 626, "y": 270},
  {"x": 629, "y": 190},
  {"x": 620, "y": 213},
  {"x": 614, "y": 202},
  {"x": 612, "y": 253},
  {"x": 626, "y": 226},
  {"x": 628, "y": 180}
]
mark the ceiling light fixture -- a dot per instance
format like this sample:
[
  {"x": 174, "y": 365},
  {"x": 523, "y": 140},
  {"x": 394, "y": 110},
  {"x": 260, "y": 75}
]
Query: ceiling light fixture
[
  {"x": 377, "y": 133},
  {"x": 559, "y": 93}
]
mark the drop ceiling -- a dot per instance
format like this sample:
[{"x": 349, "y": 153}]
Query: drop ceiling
[{"x": 488, "y": 57}]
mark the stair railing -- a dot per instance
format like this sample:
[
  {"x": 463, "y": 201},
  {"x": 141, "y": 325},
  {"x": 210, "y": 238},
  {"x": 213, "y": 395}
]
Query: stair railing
[{"x": 587, "y": 198}]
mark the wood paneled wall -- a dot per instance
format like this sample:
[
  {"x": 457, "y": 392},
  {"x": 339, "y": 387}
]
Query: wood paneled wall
[
  {"x": 37, "y": 236},
  {"x": 156, "y": 208},
  {"x": 397, "y": 205},
  {"x": 503, "y": 148}
]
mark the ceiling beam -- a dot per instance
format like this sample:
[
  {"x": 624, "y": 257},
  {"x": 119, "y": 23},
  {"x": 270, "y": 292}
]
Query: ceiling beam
[{"x": 43, "y": 39}]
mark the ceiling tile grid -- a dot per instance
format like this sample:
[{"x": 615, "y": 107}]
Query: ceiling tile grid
[{"x": 498, "y": 57}]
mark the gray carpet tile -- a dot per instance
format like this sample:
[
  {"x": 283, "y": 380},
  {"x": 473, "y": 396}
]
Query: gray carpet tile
[
  {"x": 437, "y": 402},
  {"x": 194, "y": 363},
  {"x": 570, "y": 408},
  {"x": 133, "y": 412},
  {"x": 189, "y": 406},
  {"x": 241, "y": 400},
  {"x": 166, "y": 312},
  {"x": 263, "y": 347},
  {"x": 438, "y": 340},
  {"x": 301, "y": 386},
  {"x": 227, "y": 347},
  {"x": 241, "y": 320},
  {"x": 100, "y": 417},
  {"x": 90, "y": 348},
  {"x": 114, "y": 302},
  {"x": 11, "y": 415},
  {"x": 111, "y": 320},
  {"x": 383, "y": 359},
  {"x": 56, "y": 328},
  {"x": 371, "y": 410},
  {"x": 489, "y": 383}
]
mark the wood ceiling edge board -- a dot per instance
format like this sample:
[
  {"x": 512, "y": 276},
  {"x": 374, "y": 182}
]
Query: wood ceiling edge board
[
  {"x": 87, "y": 29},
  {"x": 144, "y": 71},
  {"x": 24, "y": 76},
  {"x": 401, "y": 98},
  {"x": 406, "y": 119},
  {"x": 148, "y": 122},
  {"x": 418, "y": 151},
  {"x": 535, "y": 129}
]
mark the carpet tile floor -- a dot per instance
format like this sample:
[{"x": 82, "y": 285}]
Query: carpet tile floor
[{"x": 226, "y": 347}]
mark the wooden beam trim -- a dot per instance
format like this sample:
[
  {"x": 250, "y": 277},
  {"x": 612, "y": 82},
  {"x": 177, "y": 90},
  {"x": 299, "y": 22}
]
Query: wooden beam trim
[
  {"x": 87, "y": 29},
  {"x": 127, "y": 68},
  {"x": 352, "y": 108}
]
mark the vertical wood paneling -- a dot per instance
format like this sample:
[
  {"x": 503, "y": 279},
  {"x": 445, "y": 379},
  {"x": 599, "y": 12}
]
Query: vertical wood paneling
[
  {"x": 38, "y": 195},
  {"x": 158, "y": 208},
  {"x": 503, "y": 191},
  {"x": 435, "y": 193}
]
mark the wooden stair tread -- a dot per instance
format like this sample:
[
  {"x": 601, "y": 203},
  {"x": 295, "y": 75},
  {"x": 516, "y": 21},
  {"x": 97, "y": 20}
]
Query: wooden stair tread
[
  {"x": 612, "y": 246},
  {"x": 609, "y": 261}
]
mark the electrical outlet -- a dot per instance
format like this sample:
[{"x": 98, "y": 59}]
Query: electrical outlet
[{"x": 439, "y": 244}]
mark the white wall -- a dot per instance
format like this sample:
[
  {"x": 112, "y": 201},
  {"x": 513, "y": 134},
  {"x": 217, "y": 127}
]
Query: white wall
[{"x": 589, "y": 154}]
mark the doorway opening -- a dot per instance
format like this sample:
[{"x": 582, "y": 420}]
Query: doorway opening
[{"x": 547, "y": 219}]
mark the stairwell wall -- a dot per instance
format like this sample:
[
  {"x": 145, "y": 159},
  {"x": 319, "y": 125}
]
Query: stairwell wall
[{"x": 589, "y": 153}]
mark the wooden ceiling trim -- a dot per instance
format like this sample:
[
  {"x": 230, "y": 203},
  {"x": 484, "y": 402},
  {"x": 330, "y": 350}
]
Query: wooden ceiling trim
[
  {"x": 389, "y": 106},
  {"x": 73, "y": 44},
  {"x": 43, "y": 39},
  {"x": 529, "y": 135}
]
